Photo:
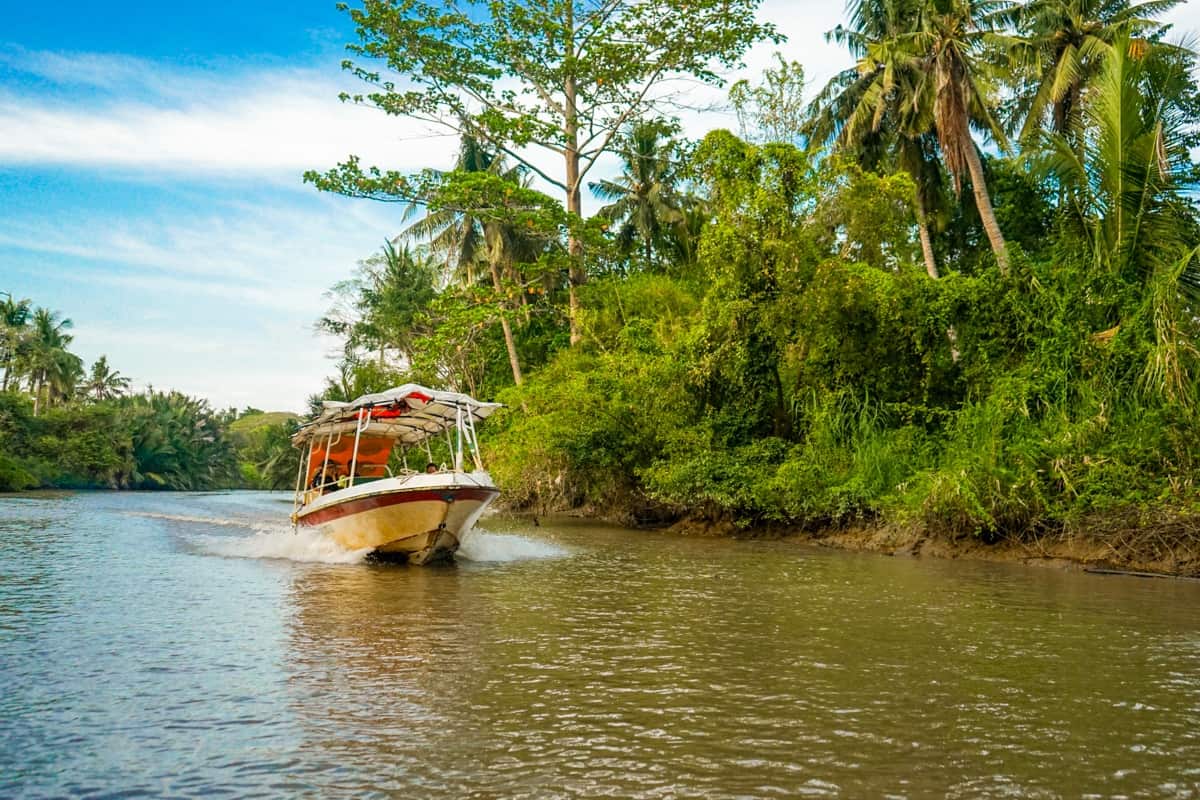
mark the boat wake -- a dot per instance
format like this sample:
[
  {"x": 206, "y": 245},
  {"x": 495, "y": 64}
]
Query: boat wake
[
  {"x": 235, "y": 523},
  {"x": 278, "y": 541},
  {"x": 481, "y": 546}
]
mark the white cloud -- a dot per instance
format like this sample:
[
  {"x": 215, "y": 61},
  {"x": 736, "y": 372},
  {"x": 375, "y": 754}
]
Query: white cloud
[
  {"x": 220, "y": 305},
  {"x": 235, "y": 118},
  {"x": 244, "y": 121}
]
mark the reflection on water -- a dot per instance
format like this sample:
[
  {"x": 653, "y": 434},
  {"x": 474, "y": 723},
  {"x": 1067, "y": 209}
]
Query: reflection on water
[{"x": 185, "y": 644}]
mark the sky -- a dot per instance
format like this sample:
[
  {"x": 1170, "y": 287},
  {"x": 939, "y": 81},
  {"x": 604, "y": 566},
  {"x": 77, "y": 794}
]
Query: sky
[{"x": 150, "y": 163}]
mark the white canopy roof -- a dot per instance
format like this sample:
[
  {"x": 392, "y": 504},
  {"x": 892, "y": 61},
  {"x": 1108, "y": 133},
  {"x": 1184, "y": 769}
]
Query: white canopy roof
[{"x": 410, "y": 413}]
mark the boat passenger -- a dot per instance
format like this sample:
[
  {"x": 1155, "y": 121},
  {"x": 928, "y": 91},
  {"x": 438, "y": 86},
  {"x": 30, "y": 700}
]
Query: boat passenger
[
  {"x": 430, "y": 468},
  {"x": 330, "y": 478}
]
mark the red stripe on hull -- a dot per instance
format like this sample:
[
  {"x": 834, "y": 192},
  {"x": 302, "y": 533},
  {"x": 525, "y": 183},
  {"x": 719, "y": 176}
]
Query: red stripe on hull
[{"x": 361, "y": 504}]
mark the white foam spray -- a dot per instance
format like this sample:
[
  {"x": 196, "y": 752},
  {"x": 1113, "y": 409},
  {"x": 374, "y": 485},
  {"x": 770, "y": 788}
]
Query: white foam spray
[
  {"x": 280, "y": 541},
  {"x": 479, "y": 545},
  {"x": 305, "y": 544}
]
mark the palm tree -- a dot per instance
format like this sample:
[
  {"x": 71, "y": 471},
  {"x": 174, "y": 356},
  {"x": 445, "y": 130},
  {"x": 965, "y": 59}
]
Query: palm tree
[
  {"x": 643, "y": 201},
  {"x": 953, "y": 47},
  {"x": 455, "y": 236},
  {"x": 876, "y": 109},
  {"x": 177, "y": 442},
  {"x": 52, "y": 370},
  {"x": 466, "y": 237},
  {"x": 14, "y": 322},
  {"x": 396, "y": 286},
  {"x": 484, "y": 234},
  {"x": 1063, "y": 47},
  {"x": 104, "y": 383},
  {"x": 1130, "y": 174},
  {"x": 1131, "y": 165}
]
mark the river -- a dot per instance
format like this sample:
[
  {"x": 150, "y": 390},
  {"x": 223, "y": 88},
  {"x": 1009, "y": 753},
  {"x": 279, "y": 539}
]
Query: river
[{"x": 191, "y": 644}]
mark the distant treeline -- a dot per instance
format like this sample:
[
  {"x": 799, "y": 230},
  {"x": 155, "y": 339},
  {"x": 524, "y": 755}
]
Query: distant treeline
[{"x": 62, "y": 426}]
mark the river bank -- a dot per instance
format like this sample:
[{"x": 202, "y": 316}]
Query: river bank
[{"x": 1164, "y": 544}]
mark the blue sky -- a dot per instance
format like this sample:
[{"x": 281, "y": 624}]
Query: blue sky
[{"x": 150, "y": 157}]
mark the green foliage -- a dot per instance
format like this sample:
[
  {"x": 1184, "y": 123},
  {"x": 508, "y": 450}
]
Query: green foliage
[
  {"x": 818, "y": 329},
  {"x": 263, "y": 443},
  {"x": 773, "y": 110},
  {"x": 154, "y": 440},
  {"x": 178, "y": 443},
  {"x": 781, "y": 382},
  {"x": 558, "y": 75}
]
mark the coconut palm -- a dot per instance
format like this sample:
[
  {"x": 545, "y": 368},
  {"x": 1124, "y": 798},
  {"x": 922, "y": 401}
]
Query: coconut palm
[
  {"x": 14, "y": 322},
  {"x": 53, "y": 371},
  {"x": 471, "y": 238},
  {"x": 394, "y": 288},
  {"x": 643, "y": 202},
  {"x": 1131, "y": 169},
  {"x": 953, "y": 47},
  {"x": 104, "y": 383},
  {"x": 457, "y": 237},
  {"x": 876, "y": 109},
  {"x": 1063, "y": 47},
  {"x": 1130, "y": 174}
]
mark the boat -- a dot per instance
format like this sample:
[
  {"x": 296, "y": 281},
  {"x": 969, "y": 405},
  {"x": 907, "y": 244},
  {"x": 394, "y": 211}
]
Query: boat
[{"x": 354, "y": 483}]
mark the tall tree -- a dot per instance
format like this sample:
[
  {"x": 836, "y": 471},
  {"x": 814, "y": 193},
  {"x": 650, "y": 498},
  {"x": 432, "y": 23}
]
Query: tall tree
[
  {"x": 877, "y": 109},
  {"x": 564, "y": 76},
  {"x": 450, "y": 233},
  {"x": 643, "y": 201},
  {"x": 14, "y": 322},
  {"x": 1063, "y": 47},
  {"x": 52, "y": 369},
  {"x": 479, "y": 225},
  {"x": 104, "y": 382},
  {"x": 954, "y": 46}
]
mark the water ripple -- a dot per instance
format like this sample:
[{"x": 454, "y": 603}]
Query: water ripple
[{"x": 570, "y": 660}]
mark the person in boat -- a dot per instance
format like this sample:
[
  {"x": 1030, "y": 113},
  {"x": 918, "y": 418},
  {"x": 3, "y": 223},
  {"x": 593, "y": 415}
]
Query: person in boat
[
  {"x": 430, "y": 468},
  {"x": 329, "y": 478}
]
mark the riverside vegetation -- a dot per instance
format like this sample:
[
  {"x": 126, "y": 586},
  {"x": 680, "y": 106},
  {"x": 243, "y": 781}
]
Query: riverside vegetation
[
  {"x": 62, "y": 426},
  {"x": 955, "y": 293}
]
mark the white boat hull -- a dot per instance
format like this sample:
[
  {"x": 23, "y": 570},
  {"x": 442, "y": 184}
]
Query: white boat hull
[{"x": 420, "y": 517}]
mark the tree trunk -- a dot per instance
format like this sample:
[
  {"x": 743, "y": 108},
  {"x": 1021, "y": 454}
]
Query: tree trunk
[
  {"x": 932, "y": 268},
  {"x": 984, "y": 203},
  {"x": 575, "y": 275},
  {"x": 926, "y": 243},
  {"x": 510, "y": 343}
]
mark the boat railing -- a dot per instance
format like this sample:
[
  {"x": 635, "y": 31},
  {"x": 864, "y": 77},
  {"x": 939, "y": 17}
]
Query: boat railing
[{"x": 462, "y": 443}]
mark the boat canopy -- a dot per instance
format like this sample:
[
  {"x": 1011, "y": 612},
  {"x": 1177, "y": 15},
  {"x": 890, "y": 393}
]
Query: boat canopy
[{"x": 408, "y": 414}]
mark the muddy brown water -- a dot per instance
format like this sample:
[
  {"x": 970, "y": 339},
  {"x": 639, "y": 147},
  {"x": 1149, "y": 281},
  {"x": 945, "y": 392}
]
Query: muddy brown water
[{"x": 179, "y": 645}]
